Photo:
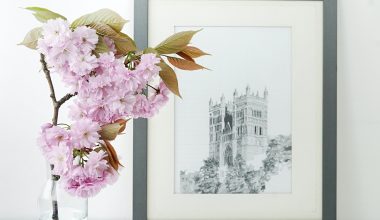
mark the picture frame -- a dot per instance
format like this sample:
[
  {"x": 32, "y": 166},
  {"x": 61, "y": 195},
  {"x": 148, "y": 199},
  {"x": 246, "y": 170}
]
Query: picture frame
[{"x": 140, "y": 134}]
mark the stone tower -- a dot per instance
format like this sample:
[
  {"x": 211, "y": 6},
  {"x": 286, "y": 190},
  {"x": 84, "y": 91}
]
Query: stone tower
[{"x": 238, "y": 127}]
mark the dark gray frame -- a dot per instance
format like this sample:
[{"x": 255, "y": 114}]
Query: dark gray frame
[{"x": 140, "y": 126}]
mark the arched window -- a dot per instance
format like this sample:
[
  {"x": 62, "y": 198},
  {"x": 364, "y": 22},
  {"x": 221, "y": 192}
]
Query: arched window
[
  {"x": 261, "y": 131},
  {"x": 228, "y": 158},
  {"x": 251, "y": 112}
]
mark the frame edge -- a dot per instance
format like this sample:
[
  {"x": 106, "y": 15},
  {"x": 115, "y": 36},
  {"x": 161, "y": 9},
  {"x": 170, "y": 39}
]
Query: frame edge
[
  {"x": 329, "y": 185},
  {"x": 140, "y": 126}
]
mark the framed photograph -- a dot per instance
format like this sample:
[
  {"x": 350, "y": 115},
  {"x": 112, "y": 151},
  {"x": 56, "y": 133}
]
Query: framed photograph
[{"x": 254, "y": 137}]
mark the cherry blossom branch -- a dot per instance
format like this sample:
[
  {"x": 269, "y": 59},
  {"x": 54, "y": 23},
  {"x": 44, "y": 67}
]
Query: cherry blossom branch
[
  {"x": 157, "y": 90},
  {"x": 56, "y": 104},
  {"x": 65, "y": 98}
]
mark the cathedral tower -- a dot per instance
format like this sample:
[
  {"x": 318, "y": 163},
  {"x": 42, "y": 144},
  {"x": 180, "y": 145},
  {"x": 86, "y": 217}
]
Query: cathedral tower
[{"x": 238, "y": 127}]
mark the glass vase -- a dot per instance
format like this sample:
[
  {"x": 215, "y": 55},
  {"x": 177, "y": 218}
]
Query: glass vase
[{"x": 56, "y": 204}]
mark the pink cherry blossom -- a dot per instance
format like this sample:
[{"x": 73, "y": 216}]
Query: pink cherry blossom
[
  {"x": 78, "y": 111},
  {"x": 84, "y": 133},
  {"x": 122, "y": 102},
  {"x": 142, "y": 107},
  {"x": 87, "y": 181},
  {"x": 52, "y": 136},
  {"x": 83, "y": 64},
  {"x": 96, "y": 163},
  {"x": 60, "y": 157},
  {"x": 56, "y": 32},
  {"x": 85, "y": 38},
  {"x": 101, "y": 113},
  {"x": 146, "y": 107},
  {"x": 147, "y": 68},
  {"x": 110, "y": 44}
]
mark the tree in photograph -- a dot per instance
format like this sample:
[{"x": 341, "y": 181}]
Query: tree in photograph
[
  {"x": 236, "y": 176},
  {"x": 273, "y": 157},
  {"x": 207, "y": 181},
  {"x": 187, "y": 181},
  {"x": 255, "y": 180}
]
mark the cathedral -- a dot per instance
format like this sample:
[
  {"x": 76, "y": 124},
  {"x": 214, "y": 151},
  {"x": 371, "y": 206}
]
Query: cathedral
[{"x": 239, "y": 127}]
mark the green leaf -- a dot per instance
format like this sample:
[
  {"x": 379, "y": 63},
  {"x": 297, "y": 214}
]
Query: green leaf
[
  {"x": 43, "y": 14},
  {"x": 169, "y": 77},
  {"x": 185, "y": 56},
  {"x": 31, "y": 38},
  {"x": 105, "y": 30},
  {"x": 149, "y": 50},
  {"x": 194, "y": 52},
  {"x": 101, "y": 46},
  {"x": 113, "y": 159},
  {"x": 126, "y": 45},
  {"x": 123, "y": 42},
  {"x": 110, "y": 131},
  {"x": 105, "y": 16},
  {"x": 175, "y": 43},
  {"x": 184, "y": 64}
]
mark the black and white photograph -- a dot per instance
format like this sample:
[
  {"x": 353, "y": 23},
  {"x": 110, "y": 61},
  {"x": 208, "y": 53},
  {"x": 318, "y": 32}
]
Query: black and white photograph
[{"x": 233, "y": 130}]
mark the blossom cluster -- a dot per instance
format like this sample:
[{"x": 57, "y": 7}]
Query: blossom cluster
[
  {"x": 72, "y": 152},
  {"x": 106, "y": 89}
]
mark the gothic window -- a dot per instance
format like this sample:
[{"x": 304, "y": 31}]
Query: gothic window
[
  {"x": 251, "y": 112},
  {"x": 228, "y": 158},
  {"x": 261, "y": 132},
  {"x": 219, "y": 118}
]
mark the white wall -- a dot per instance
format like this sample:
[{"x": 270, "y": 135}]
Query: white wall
[
  {"x": 25, "y": 105},
  {"x": 359, "y": 110}
]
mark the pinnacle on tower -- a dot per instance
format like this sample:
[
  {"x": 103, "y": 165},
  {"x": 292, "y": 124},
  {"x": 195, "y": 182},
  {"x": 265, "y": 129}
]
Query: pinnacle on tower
[
  {"x": 265, "y": 93},
  {"x": 235, "y": 93},
  {"x": 248, "y": 90},
  {"x": 222, "y": 99}
]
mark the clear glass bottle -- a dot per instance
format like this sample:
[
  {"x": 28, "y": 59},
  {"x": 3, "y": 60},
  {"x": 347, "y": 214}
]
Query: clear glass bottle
[{"x": 56, "y": 204}]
